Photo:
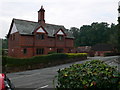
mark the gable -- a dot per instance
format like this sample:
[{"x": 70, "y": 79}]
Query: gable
[
  {"x": 14, "y": 29},
  {"x": 40, "y": 30},
  {"x": 25, "y": 27},
  {"x": 60, "y": 32}
]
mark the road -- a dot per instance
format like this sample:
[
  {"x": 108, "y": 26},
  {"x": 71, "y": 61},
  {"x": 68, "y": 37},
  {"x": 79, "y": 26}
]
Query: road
[{"x": 43, "y": 78}]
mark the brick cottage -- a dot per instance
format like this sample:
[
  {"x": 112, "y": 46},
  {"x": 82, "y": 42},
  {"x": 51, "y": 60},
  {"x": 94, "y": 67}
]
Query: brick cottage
[{"x": 28, "y": 38}]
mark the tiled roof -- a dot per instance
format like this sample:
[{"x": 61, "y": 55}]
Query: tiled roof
[{"x": 27, "y": 28}]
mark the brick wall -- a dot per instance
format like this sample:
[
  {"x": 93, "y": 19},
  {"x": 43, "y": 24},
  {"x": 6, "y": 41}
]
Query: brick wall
[{"x": 30, "y": 43}]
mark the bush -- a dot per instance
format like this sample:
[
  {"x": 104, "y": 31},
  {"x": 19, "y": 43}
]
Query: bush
[
  {"x": 52, "y": 52},
  {"x": 91, "y": 75},
  {"x": 76, "y": 55},
  {"x": 10, "y": 61},
  {"x": 111, "y": 54}
]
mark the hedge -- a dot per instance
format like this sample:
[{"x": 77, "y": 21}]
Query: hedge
[
  {"x": 91, "y": 75},
  {"x": 76, "y": 55},
  {"x": 10, "y": 61},
  {"x": 111, "y": 54}
]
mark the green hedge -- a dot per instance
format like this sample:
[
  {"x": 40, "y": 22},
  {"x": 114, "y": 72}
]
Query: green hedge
[
  {"x": 89, "y": 75},
  {"x": 76, "y": 55},
  {"x": 52, "y": 52},
  {"x": 111, "y": 54},
  {"x": 9, "y": 61}
]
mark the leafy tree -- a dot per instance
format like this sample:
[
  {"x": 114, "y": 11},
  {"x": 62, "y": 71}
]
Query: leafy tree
[
  {"x": 75, "y": 32},
  {"x": 95, "y": 33}
]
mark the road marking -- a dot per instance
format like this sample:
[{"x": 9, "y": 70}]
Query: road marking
[
  {"x": 44, "y": 86},
  {"x": 41, "y": 87}
]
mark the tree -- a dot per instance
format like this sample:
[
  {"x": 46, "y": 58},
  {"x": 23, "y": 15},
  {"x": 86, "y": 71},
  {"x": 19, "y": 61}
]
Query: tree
[
  {"x": 89, "y": 35},
  {"x": 75, "y": 32}
]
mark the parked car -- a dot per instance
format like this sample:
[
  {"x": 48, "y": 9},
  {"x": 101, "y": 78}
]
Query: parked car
[{"x": 5, "y": 83}]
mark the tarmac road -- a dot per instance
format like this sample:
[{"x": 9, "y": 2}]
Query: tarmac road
[{"x": 43, "y": 78}]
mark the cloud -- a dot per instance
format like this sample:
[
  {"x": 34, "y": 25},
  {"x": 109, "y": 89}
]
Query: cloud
[{"x": 70, "y": 13}]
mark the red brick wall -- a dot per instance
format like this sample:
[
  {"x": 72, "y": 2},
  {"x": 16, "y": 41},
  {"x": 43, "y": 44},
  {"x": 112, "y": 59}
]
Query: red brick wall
[
  {"x": 69, "y": 42},
  {"x": 26, "y": 40},
  {"x": 31, "y": 44},
  {"x": 13, "y": 44}
]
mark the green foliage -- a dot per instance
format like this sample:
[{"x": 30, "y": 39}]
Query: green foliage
[
  {"x": 76, "y": 55},
  {"x": 52, "y": 52},
  {"x": 95, "y": 33},
  {"x": 91, "y": 75},
  {"x": 4, "y": 52},
  {"x": 4, "y": 44},
  {"x": 111, "y": 54},
  {"x": 44, "y": 59},
  {"x": 75, "y": 32}
]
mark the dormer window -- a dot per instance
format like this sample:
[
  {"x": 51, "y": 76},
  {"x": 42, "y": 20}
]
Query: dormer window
[{"x": 40, "y": 36}]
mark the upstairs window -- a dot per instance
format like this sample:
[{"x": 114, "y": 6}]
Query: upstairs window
[
  {"x": 60, "y": 37},
  {"x": 12, "y": 36},
  {"x": 39, "y": 51},
  {"x": 40, "y": 36}
]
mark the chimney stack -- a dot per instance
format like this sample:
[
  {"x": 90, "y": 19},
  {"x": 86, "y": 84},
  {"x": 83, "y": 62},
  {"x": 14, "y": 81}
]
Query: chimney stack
[{"x": 41, "y": 16}]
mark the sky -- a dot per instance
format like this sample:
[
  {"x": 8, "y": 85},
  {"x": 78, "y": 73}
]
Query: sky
[{"x": 70, "y": 13}]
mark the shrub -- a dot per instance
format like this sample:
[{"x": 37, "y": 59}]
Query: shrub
[
  {"x": 52, "y": 52},
  {"x": 10, "y": 61},
  {"x": 76, "y": 55},
  {"x": 109, "y": 54},
  {"x": 91, "y": 75},
  {"x": 43, "y": 60}
]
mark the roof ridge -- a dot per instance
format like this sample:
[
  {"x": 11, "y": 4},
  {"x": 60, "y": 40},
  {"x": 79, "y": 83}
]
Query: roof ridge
[
  {"x": 54, "y": 24},
  {"x": 25, "y": 20}
]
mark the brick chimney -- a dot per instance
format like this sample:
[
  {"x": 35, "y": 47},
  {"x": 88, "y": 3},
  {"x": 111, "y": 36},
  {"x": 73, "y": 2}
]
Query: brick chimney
[{"x": 41, "y": 16}]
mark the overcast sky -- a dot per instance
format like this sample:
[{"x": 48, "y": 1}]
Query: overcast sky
[{"x": 70, "y": 13}]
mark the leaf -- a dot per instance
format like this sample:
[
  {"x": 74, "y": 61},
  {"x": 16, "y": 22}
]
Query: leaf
[
  {"x": 84, "y": 82},
  {"x": 105, "y": 78},
  {"x": 91, "y": 84},
  {"x": 106, "y": 69}
]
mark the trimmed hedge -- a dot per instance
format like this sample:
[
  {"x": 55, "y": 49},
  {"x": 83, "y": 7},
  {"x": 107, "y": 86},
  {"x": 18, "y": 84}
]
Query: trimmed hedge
[
  {"x": 76, "y": 55},
  {"x": 89, "y": 75},
  {"x": 52, "y": 52},
  {"x": 10, "y": 62},
  {"x": 111, "y": 54}
]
